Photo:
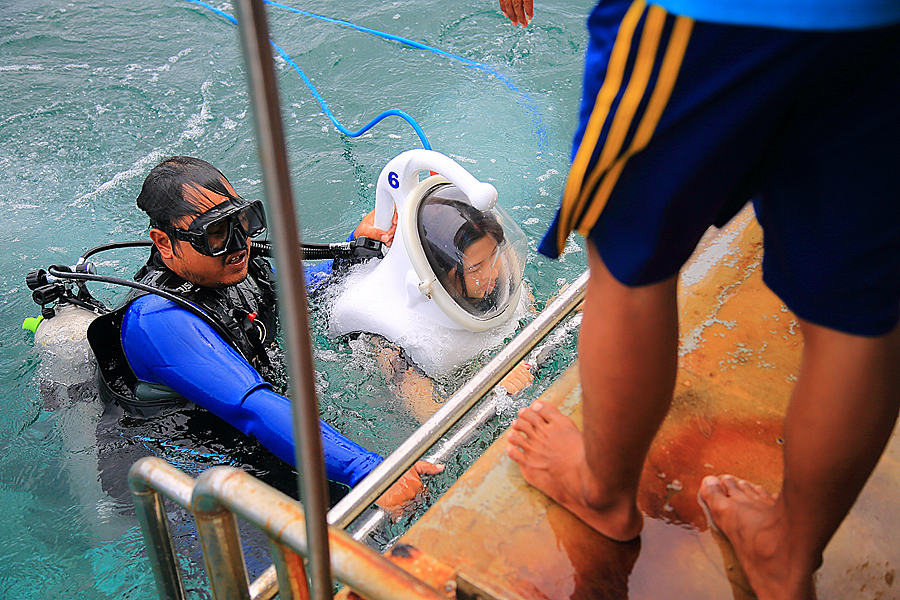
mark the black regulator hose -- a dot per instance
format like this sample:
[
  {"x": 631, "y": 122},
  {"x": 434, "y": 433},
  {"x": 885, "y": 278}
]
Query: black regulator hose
[
  {"x": 360, "y": 249},
  {"x": 116, "y": 246},
  {"x": 185, "y": 304}
]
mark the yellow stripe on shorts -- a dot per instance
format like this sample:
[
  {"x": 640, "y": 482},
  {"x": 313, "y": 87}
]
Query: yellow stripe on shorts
[{"x": 587, "y": 191}]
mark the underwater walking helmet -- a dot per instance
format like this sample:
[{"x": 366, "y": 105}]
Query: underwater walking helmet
[{"x": 452, "y": 279}]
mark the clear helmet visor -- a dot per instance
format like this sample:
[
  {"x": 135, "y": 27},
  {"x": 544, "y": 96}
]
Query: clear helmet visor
[{"x": 478, "y": 257}]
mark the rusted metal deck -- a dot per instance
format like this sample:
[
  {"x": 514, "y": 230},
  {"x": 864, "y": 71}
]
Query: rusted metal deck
[{"x": 740, "y": 355}]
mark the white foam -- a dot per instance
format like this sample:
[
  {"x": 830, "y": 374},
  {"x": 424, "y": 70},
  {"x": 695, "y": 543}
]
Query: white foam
[
  {"x": 463, "y": 159},
  {"x": 21, "y": 67},
  {"x": 193, "y": 130},
  {"x": 547, "y": 175}
]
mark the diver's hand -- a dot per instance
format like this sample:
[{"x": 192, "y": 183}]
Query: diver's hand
[
  {"x": 407, "y": 487},
  {"x": 366, "y": 228},
  {"x": 519, "y": 12},
  {"x": 516, "y": 380}
]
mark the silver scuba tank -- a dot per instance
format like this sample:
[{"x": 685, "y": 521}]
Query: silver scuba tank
[{"x": 68, "y": 369}]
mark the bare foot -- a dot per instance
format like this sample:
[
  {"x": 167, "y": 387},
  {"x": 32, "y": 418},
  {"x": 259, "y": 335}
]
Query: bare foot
[
  {"x": 751, "y": 520},
  {"x": 549, "y": 450}
]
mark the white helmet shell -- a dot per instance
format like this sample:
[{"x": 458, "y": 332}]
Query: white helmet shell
[{"x": 438, "y": 295}]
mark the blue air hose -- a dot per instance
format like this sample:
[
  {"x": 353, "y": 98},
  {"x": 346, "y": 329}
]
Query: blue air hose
[
  {"x": 530, "y": 105},
  {"x": 393, "y": 112}
]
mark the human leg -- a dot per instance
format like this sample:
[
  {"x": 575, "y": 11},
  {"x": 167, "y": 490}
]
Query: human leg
[
  {"x": 627, "y": 358},
  {"x": 841, "y": 415}
]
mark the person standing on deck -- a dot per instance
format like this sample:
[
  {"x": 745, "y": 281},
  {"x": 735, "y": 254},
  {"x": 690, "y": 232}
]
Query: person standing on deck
[{"x": 691, "y": 107}]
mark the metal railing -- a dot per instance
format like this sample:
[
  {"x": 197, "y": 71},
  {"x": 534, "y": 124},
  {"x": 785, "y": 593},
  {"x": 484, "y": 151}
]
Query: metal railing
[
  {"x": 216, "y": 498},
  {"x": 523, "y": 346}
]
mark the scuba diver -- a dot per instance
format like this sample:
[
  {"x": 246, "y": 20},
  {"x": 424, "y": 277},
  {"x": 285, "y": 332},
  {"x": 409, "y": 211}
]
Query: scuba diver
[{"x": 154, "y": 351}]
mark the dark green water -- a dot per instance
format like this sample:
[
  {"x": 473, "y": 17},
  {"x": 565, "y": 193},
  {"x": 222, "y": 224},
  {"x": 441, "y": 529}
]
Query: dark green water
[{"x": 95, "y": 94}]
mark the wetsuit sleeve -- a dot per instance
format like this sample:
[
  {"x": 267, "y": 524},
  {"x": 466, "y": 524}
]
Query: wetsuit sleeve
[
  {"x": 316, "y": 274},
  {"x": 167, "y": 345}
]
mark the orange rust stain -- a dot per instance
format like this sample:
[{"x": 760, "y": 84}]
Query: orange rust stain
[
  {"x": 683, "y": 453},
  {"x": 747, "y": 344}
]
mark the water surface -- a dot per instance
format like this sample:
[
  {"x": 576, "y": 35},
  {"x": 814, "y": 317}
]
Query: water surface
[{"x": 95, "y": 94}]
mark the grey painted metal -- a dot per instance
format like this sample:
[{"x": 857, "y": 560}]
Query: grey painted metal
[
  {"x": 370, "y": 488},
  {"x": 254, "y": 33},
  {"x": 364, "y": 526},
  {"x": 151, "y": 514},
  {"x": 265, "y": 587},
  {"x": 222, "y": 554},
  {"x": 366, "y": 571}
]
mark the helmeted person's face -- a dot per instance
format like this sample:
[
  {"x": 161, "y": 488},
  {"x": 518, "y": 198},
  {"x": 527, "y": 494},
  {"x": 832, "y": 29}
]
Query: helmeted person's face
[
  {"x": 180, "y": 256},
  {"x": 480, "y": 269}
]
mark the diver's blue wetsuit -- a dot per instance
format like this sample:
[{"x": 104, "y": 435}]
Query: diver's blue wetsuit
[{"x": 167, "y": 345}]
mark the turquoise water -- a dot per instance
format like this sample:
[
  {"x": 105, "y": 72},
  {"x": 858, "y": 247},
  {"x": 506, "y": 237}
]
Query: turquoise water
[{"x": 95, "y": 94}]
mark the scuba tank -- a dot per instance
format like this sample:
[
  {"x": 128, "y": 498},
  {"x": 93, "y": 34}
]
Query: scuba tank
[{"x": 68, "y": 371}]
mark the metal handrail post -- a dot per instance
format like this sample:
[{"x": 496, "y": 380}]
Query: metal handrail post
[
  {"x": 290, "y": 570},
  {"x": 382, "y": 476},
  {"x": 265, "y": 587},
  {"x": 254, "y": 32},
  {"x": 222, "y": 553},
  {"x": 148, "y": 504},
  {"x": 367, "y": 572}
]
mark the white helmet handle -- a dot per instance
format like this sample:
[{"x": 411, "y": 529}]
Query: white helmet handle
[{"x": 400, "y": 176}]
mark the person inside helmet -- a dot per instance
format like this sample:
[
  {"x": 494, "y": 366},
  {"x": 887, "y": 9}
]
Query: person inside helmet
[{"x": 470, "y": 256}]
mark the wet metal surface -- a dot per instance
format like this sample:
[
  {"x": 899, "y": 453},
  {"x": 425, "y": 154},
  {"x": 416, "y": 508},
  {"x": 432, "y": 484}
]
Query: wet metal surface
[{"x": 739, "y": 358}]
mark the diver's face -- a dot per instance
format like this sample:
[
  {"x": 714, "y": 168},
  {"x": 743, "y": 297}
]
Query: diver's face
[
  {"x": 480, "y": 268},
  {"x": 191, "y": 265}
]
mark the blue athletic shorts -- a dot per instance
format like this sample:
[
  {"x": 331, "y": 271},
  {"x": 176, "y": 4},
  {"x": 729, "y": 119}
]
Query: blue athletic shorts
[{"x": 683, "y": 122}]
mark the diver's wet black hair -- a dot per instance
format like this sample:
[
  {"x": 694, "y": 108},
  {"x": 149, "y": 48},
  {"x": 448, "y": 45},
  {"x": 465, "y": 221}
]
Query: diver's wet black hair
[{"x": 162, "y": 196}]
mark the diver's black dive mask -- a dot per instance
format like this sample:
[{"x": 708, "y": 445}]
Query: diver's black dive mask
[{"x": 224, "y": 228}]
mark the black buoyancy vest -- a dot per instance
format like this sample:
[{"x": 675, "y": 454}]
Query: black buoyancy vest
[{"x": 245, "y": 312}]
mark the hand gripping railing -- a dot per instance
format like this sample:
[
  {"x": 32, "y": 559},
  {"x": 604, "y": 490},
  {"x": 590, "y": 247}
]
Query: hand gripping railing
[{"x": 220, "y": 495}]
